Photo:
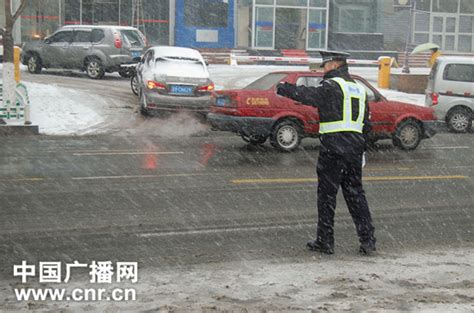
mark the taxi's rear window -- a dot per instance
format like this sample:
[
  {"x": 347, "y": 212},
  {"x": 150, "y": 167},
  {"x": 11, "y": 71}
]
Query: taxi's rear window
[{"x": 266, "y": 82}]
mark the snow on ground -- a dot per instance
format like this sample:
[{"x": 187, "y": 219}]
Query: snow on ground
[
  {"x": 427, "y": 281},
  {"x": 63, "y": 111}
]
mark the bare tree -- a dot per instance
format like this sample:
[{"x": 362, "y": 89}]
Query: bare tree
[{"x": 6, "y": 31}]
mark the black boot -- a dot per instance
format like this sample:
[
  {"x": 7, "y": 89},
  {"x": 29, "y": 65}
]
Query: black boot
[
  {"x": 367, "y": 248},
  {"x": 315, "y": 245}
]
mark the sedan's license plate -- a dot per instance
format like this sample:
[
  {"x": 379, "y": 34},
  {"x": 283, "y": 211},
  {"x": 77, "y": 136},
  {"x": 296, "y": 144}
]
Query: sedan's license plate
[
  {"x": 220, "y": 102},
  {"x": 181, "y": 90},
  {"x": 135, "y": 54}
]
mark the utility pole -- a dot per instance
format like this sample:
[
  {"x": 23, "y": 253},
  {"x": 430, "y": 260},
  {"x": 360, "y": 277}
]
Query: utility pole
[
  {"x": 137, "y": 16},
  {"x": 406, "y": 66}
]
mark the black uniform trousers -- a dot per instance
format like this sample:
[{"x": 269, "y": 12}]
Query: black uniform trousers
[{"x": 343, "y": 170}]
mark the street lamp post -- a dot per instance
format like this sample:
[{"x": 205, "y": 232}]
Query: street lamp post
[{"x": 406, "y": 67}]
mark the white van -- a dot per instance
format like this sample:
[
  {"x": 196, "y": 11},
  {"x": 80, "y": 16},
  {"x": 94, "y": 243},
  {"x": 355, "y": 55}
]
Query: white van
[{"x": 450, "y": 91}]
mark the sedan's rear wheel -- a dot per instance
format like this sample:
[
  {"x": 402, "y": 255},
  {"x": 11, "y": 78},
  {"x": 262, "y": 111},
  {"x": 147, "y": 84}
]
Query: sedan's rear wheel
[
  {"x": 34, "y": 64},
  {"x": 408, "y": 135},
  {"x": 94, "y": 68},
  {"x": 286, "y": 136},
  {"x": 459, "y": 120},
  {"x": 143, "y": 105},
  {"x": 134, "y": 84}
]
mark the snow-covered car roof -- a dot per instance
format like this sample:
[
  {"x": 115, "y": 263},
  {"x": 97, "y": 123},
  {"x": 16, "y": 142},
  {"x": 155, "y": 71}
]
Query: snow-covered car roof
[
  {"x": 100, "y": 26},
  {"x": 177, "y": 52}
]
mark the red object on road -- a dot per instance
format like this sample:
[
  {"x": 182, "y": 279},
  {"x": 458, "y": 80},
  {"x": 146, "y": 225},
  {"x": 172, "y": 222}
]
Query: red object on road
[{"x": 256, "y": 112}]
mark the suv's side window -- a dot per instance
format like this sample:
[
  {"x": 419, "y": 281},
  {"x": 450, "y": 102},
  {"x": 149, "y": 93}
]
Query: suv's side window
[
  {"x": 64, "y": 36},
  {"x": 82, "y": 36},
  {"x": 459, "y": 72},
  {"x": 97, "y": 35}
]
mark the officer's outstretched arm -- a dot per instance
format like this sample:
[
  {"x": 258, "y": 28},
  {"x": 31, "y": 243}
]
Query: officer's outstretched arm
[{"x": 312, "y": 96}]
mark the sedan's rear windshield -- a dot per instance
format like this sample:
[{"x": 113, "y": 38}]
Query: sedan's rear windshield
[
  {"x": 266, "y": 82},
  {"x": 133, "y": 37}
]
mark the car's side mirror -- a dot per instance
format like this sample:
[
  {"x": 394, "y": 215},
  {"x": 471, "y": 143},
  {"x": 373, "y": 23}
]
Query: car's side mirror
[
  {"x": 47, "y": 41},
  {"x": 207, "y": 63}
]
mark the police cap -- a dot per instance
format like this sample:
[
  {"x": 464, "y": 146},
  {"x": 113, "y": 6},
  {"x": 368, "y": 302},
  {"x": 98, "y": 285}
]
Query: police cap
[{"x": 333, "y": 56}]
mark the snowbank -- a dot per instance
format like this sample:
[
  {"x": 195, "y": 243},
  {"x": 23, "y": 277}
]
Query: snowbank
[{"x": 429, "y": 281}]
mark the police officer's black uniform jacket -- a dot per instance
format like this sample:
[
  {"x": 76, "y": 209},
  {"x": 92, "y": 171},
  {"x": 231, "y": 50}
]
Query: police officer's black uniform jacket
[{"x": 328, "y": 97}]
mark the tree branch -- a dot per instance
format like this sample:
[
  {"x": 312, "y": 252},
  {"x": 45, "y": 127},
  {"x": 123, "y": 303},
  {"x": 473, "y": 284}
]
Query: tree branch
[
  {"x": 19, "y": 10},
  {"x": 2, "y": 31}
]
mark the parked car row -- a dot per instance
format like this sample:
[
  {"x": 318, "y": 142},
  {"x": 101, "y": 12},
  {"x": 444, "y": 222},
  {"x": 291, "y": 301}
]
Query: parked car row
[{"x": 173, "y": 78}]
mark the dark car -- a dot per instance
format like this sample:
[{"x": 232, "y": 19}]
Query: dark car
[
  {"x": 257, "y": 113},
  {"x": 95, "y": 49}
]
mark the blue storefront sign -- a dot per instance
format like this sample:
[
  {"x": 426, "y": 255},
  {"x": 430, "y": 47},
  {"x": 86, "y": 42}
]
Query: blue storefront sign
[{"x": 205, "y": 23}]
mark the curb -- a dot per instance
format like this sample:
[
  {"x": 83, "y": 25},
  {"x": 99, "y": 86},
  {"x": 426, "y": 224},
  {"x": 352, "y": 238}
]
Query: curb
[{"x": 18, "y": 130}]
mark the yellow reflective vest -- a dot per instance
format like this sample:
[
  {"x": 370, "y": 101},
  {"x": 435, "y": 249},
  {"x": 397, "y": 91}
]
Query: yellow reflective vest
[{"x": 353, "y": 94}]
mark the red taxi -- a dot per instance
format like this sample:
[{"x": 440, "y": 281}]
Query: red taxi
[{"x": 256, "y": 113}]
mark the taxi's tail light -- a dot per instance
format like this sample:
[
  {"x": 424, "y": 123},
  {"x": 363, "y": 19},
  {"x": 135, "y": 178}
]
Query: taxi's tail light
[
  {"x": 117, "y": 40},
  {"x": 151, "y": 84},
  {"x": 206, "y": 88},
  {"x": 434, "y": 98}
]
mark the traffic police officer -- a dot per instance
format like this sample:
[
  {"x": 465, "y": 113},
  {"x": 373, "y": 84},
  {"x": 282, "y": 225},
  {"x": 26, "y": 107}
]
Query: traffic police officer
[{"x": 344, "y": 122}]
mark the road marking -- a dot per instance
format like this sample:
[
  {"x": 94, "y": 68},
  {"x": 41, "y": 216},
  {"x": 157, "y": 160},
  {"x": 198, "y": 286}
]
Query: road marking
[
  {"x": 370, "y": 178},
  {"x": 22, "y": 179},
  {"x": 222, "y": 230},
  {"x": 128, "y": 153},
  {"x": 447, "y": 147},
  {"x": 138, "y": 176}
]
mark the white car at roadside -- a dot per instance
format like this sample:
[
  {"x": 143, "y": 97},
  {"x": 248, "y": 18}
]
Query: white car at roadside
[
  {"x": 172, "y": 79},
  {"x": 450, "y": 91}
]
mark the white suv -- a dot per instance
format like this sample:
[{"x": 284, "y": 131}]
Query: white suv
[{"x": 450, "y": 91}]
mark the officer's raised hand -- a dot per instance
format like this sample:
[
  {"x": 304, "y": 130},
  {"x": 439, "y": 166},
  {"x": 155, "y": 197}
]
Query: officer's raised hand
[{"x": 286, "y": 89}]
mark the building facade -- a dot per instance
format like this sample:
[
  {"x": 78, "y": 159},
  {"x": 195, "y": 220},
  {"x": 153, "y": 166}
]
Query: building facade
[{"x": 352, "y": 25}]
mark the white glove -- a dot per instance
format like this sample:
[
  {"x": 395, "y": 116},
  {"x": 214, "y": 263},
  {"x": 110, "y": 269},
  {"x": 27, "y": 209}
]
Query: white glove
[{"x": 363, "y": 160}]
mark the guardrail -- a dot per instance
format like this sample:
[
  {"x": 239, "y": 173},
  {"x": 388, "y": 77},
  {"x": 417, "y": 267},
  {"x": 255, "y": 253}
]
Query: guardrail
[
  {"x": 20, "y": 110},
  {"x": 235, "y": 58}
]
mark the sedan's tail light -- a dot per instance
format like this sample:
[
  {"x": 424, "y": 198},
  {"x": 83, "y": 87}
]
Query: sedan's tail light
[
  {"x": 155, "y": 85},
  {"x": 207, "y": 88},
  {"x": 117, "y": 40},
  {"x": 434, "y": 98}
]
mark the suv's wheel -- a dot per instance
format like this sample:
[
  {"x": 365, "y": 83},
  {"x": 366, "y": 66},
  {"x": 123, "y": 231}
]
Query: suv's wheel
[
  {"x": 286, "y": 135},
  {"x": 459, "y": 120},
  {"x": 126, "y": 73},
  {"x": 94, "y": 68},
  {"x": 142, "y": 100},
  {"x": 408, "y": 135},
  {"x": 34, "y": 64},
  {"x": 134, "y": 84},
  {"x": 254, "y": 139}
]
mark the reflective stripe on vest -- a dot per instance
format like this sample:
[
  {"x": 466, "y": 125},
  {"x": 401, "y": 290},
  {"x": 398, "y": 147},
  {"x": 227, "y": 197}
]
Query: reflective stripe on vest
[{"x": 350, "y": 91}]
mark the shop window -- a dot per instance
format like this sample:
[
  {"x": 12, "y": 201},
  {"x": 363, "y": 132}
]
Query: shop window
[
  {"x": 446, "y": 6},
  {"x": 206, "y": 13},
  {"x": 317, "y": 3},
  {"x": 299, "y": 3},
  {"x": 465, "y": 43},
  {"x": 422, "y": 22},
  {"x": 423, "y": 5},
  {"x": 466, "y": 24},
  {"x": 270, "y": 2},
  {"x": 467, "y": 6}
]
